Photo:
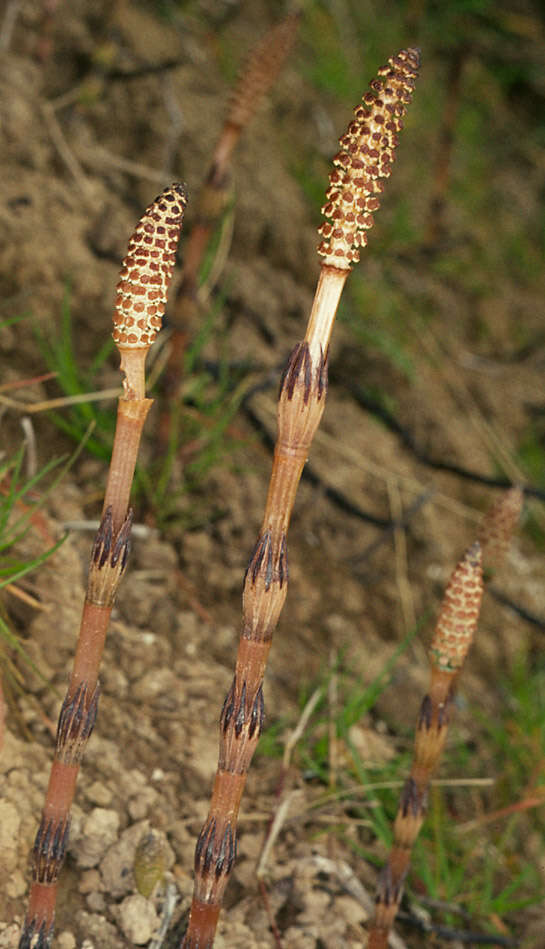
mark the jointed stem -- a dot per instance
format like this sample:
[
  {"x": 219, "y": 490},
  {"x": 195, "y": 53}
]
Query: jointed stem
[
  {"x": 258, "y": 76},
  {"x": 142, "y": 290},
  {"x": 453, "y": 635},
  {"x": 301, "y": 403},
  {"x": 76, "y": 721},
  {"x": 370, "y": 141}
]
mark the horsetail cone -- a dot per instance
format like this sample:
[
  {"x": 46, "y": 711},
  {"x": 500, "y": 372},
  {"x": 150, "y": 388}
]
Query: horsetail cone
[
  {"x": 146, "y": 271},
  {"x": 459, "y": 613},
  {"x": 497, "y": 528},
  {"x": 144, "y": 279},
  {"x": 262, "y": 69},
  {"x": 367, "y": 152}
]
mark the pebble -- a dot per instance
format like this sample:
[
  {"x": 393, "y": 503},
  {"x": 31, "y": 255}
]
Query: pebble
[
  {"x": 99, "y": 794},
  {"x": 66, "y": 940},
  {"x": 9, "y": 825},
  {"x": 137, "y": 919},
  {"x": 89, "y": 881},
  {"x": 117, "y": 865},
  {"x": 9, "y": 937},
  {"x": 99, "y": 832},
  {"x": 130, "y": 782},
  {"x": 142, "y": 803},
  {"x": 154, "y": 684},
  {"x": 96, "y": 902},
  {"x": 16, "y": 885},
  {"x": 9, "y": 831}
]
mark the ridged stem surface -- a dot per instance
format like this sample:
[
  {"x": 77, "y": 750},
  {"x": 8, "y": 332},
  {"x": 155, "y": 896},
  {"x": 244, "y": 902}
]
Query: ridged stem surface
[
  {"x": 368, "y": 148},
  {"x": 131, "y": 415},
  {"x": 141, "y": 296},
  {"x": 301, "y": 403},
  {"x": 76, "y": 721},
  {"x": 452, "y": 638},
  {"x": 324, "y": 308}
]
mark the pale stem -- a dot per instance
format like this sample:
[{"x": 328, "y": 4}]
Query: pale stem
[
  {"x": 227, "y": 141},
  {"x": 131, "y": 416},
  {"x": 326, "y": 300},
  {"x": 133, "y": 361}
]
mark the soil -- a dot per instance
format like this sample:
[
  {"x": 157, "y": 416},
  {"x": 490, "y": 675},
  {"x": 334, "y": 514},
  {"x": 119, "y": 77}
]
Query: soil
[{"x": 69, "y": 198}]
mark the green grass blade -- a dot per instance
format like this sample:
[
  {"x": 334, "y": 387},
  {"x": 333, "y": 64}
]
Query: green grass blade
[{"x": 32, "y": 564}]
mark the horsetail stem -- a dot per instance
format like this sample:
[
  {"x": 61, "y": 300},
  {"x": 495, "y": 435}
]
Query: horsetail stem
[
  {"x": 451, "y": 641},
  {"x": 453, "y": 635},
  {"x": 366, "y": 157},
  {"x": 142, "y": 289},
  {"x": 497, "y": 527},
  {"x": 257, "y": 77}
]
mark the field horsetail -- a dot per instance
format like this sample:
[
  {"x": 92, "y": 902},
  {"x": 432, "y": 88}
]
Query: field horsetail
[
  {"x": 141, "y": 297},
  {"x": 365, "y": 159}
]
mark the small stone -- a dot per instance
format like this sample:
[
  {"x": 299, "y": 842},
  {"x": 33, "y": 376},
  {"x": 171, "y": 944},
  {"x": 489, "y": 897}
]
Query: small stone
[
  {"x": 137, "y": 919},
  {"x": 99, "y": 832},
  {"x": 350, "y": 911},
  {"x": 117, "y": 866},
  {"x": 140, "y": 804},
  {"x": 9, "y": 937},
  {"x": 114, "y": 682},
  {"x": 12, "y": 753},
  {"x": 16, "y": 885},
  {"x": 130, "y": 782},
  {"x": 96, "y": 902},
  {"x": 66, "y": 940},
  {"x": 155, "y": 685},
  {"x": 99, "y": 794},
  {"x": 89, "y": 882},
  {"x": 9, "y": 830},
  {"x": 99, "y": 932},
  {"x": 188, "y": 625},
  {"x": 9, "y": 825}
]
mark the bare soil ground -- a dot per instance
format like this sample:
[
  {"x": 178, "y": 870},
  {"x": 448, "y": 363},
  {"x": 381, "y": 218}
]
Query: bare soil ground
[{"x": 68, "y": 201}]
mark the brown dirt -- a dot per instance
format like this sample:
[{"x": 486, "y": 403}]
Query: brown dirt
[{"x": 170, "y": 652}]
